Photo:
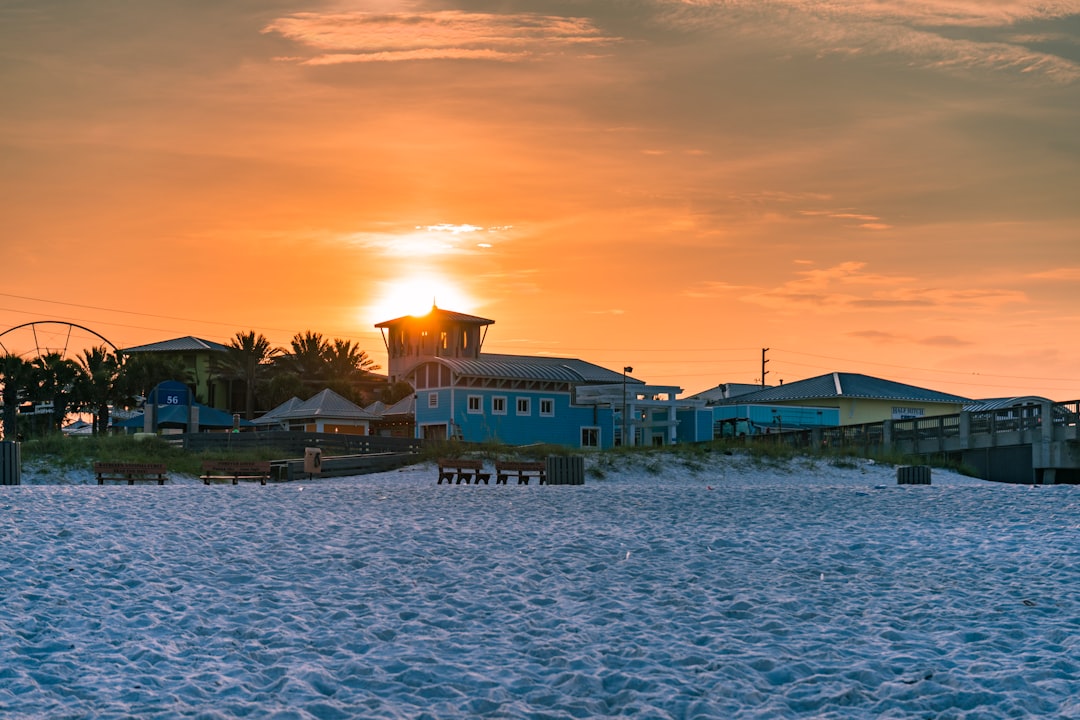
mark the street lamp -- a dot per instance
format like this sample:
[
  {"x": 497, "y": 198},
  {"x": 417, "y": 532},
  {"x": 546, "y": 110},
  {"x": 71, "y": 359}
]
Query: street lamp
[{"x": 625, "y": 370}]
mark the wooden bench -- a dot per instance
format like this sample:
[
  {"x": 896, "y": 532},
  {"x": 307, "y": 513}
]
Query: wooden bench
[
  {"x": 129, "y": 471},
  {"x": 235, "y": 470},
  {"x": 463, "y": 471},
  {"x": 523, "y": 471}
]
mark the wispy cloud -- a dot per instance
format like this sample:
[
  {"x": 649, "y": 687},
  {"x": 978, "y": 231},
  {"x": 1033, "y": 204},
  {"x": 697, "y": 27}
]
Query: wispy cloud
[
  {"x": 849, "y": 287},
  {"x": 1069, "y": 274},
  {"x": 427, "y": 241},
  {"x": 861, "y": 220},
  {"x": 350, "y": 37},
  {"x": 938, "y": 34},
  {"x": 879, "y": 336}
]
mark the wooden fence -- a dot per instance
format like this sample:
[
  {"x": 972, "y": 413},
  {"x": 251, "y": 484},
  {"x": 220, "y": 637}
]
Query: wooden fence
[{"x": 293, "y": 443}]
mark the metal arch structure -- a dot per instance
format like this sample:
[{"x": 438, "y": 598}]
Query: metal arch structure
[{"x": 70, "y": 326}]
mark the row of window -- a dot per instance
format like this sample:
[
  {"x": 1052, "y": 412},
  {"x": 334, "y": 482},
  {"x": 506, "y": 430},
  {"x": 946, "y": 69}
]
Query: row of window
[{"x": 522, "y": 405}]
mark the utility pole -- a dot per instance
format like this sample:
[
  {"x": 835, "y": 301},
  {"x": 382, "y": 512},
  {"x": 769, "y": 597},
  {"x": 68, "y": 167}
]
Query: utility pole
[{"x": 764, "y": 372}]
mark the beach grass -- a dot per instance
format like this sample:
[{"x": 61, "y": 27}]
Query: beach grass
[{"x": 61, "y": 451}]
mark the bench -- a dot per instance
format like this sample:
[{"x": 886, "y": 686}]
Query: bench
[
  {"x": 462, "y": 470},
  {"x": 129, "y": 471},
  {"x": 235, "y": 470},
  {"x": 523, "y": 471}
]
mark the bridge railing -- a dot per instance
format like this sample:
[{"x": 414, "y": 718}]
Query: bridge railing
[{"x": 909, "y": 432}]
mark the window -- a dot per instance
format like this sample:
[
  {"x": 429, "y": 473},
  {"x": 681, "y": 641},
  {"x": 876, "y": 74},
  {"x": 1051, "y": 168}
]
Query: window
[
  {"x": 433, "y": 400},
  {"x": 475, "y": 404},
  {"x": 590, "y": 437},
  {"x": 524, "y": 406},
  {"x": 547, "y": 407},
  {"x": 498, "y": 406}
]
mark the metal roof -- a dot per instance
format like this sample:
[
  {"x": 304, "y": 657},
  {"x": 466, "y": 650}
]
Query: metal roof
[
  {"x": 404, "y": 406},
  {"x": 524, "y": 367},
  {"x": 274, "y": 415},
  {"x": 183, "y": 344},
  {"x": 178, "y": 415},
  {"x": 1000, "y": 403},
  {"x": 327, "y": 404},
  {"x": 725, "y": 391},
  {"x": 438, "y": 313},
  {"x": 844, "y": 385}
]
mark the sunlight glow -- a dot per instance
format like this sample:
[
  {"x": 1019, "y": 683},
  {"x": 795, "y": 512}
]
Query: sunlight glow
[{"x": 414, "y": 295}]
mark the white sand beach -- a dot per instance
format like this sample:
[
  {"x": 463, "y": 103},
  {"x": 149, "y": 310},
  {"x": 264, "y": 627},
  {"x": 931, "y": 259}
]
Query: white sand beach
[{"x": 711, "y": 589}]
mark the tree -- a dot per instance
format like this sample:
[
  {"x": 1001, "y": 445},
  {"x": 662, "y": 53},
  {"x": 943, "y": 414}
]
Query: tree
[
  {"x": 55, "y": 378},
  {"x": 346, "y": 367},
  {"x": 315, "y": 363},
  {"x": 142, "y": 372},
  {"x": 306, "y": 362},
  {"x": 16, "y": 374},
  {"x": 100, "y": 387},
  {"x": 247, "y": 359}
]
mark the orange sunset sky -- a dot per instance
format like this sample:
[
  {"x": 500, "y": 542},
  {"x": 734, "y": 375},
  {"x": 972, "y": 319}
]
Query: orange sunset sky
[{"x": 887, "y": 187}]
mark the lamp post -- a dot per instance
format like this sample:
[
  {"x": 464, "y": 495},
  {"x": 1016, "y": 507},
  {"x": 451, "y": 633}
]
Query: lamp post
[{"x": 625, "y": 370}]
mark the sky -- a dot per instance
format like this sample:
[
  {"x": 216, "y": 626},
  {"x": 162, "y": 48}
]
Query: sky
[{"x": 888, "y": 187}]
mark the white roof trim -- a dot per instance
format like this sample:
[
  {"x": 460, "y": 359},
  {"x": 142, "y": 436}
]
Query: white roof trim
[{"x": 836, "y": 383}]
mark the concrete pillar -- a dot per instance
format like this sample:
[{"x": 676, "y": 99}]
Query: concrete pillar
[
  {"x": 1042, "y": 441},
  {"x": 965, "y": 430},
  {"x": 193, "y": 419},
  {"x": 887, "y": 436},
  {"x": 149, "y": 418}
]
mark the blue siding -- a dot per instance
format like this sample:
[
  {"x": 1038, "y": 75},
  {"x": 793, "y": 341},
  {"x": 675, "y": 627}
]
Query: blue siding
[
  {"x": 562, "y": 427},
  {"x": 775, "y": 416},
  {"x": 695, "y": 425}
]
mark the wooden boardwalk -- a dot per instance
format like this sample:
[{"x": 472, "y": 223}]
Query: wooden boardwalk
[{"x": 1037, "y": 443}]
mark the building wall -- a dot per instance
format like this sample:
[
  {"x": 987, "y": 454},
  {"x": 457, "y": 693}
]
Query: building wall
[
  {"x": 854, "y": 410},
  {"x": 777, "y": 416},
  {"x": 695, "y": 425},
  {"x": 473, "y": 414}
]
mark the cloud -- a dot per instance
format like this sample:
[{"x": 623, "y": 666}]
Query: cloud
[
  {"x": 426, "y": 241},
  {"x": 1068, "y": 274},
  {"x": 350, "y": 37},
  {"x": 950, "y": 35},
  {"x": 944, "y": 341},
  {"x": 866, "y": 222},
  {"x": 848, "y": 287},
  {"x": 897, "y": 338}
]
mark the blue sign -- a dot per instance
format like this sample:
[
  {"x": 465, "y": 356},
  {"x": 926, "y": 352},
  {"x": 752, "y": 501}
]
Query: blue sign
[{"x": 171, "y": 394}]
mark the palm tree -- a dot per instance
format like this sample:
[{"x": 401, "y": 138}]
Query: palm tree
[
  {"x": 247, "y": 359},
  {"x": 306, "y": 361},
  {"x": 347, "y": 365},
  {"x": 56, "y": 378},
  {"x": 142, "y": 372},
  {"x": 100, "y": 386},
  {"x": 15, "y": 373}
]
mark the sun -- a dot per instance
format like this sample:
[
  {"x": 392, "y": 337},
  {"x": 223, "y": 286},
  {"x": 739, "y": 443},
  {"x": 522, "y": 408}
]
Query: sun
[{"x": 415, "y": 295}]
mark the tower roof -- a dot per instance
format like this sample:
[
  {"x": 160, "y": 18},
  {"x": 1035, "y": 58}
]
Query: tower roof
[{"x": 437, "y": 313}]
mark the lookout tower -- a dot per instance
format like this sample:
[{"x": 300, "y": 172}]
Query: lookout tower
[{"x": 414, "y": 339}]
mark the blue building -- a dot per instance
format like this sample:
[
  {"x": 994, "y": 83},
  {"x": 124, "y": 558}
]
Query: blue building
[{"x": 465, "y": 394}]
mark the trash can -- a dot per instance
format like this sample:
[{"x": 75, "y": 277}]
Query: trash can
[
  {"x": 913, "y": 475},
  {"x": 312, "y": 460},
  {"x": 10, "y": 463}
]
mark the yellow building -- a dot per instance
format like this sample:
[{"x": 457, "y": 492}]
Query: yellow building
[
  {"x": 858, "y": 398},
  {"x": 197, "y": 356}
]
